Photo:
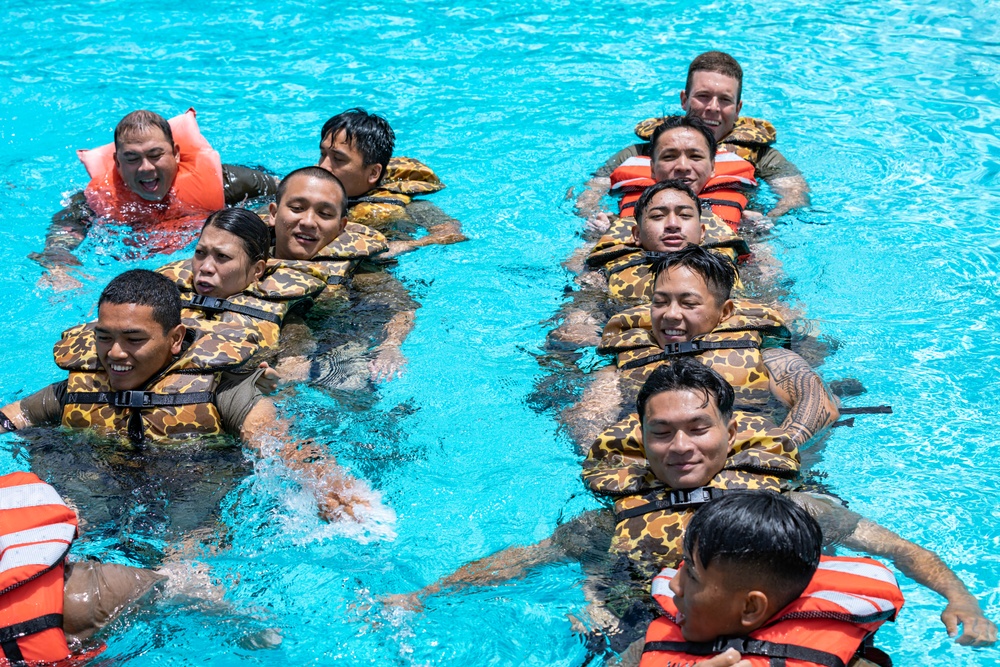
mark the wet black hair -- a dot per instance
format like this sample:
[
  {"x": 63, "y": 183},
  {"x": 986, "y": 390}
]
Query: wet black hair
[
  {"x": 315, "y": 172},
  {"x": 763, "y": 539},
  {"x": 719, "y": 273},
  {"x": 718, "y": 62},
  {"x": 141, "y": 121},
  {"x": 653, "y": 190},
  {"x": 686, "y": 373},
  {"x": 368, "y": 133},
  {"x": 146, "y": 288},
  {"x": 673, "y": 122},
  {"x": 247, "y": 226}
]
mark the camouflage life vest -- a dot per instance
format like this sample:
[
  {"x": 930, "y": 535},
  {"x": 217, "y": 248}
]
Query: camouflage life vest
[
  {"x": 749, "y": 138},
  {"x": 650, "y": 517},
  {"x": 286, "y": 282},
  {"x": 261, "y": 307},
  {"x": 628, "y": 267},
  {"x": 336, "y": 263},
  {"x": 404, "y": 179},
  {"x": 732, "y": 349},
  {"x": 176, "y": 404}
]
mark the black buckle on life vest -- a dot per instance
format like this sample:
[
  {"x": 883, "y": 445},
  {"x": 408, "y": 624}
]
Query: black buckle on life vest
[
  {"x": 131, "y": 399},
  {"x": 685, "y": 347},
  {"x": 207, "y": 303}
]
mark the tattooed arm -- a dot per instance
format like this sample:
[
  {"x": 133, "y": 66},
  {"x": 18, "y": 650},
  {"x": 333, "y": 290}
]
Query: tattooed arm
[
  {"x": 840, "y": 525},
  {"x": 794, "y": 383}
]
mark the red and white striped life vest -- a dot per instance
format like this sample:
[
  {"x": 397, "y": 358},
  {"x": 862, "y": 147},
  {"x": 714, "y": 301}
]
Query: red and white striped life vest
[
  {"x": 36, "y": 530},
  {"x": 844, "y": 604}
]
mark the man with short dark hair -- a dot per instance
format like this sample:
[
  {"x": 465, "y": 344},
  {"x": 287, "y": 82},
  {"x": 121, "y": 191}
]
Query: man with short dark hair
[
  {"x": 684, "y": 447},
  {"x": 753, "y": 578},
  {"x": 139, "y": 375},
  {"x": 692, "y": 313},
  {"x": 713, "y": 92},
  {"x": 313, "y": 229},
  {"x": 668, "y": 217},
  {"x": 356, "y": 146},
  {"x": 164, "y": 180}
]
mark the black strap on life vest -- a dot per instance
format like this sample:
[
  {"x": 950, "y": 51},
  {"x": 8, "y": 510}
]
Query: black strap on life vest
[
  {"x": 721, "y": 202},
  {"x": 6, "y": 423},
  {"x": 211, "y": 304},
  {"x": 11, "y": 633},
  {"x": 352, "y": 201},
  {"x": 691, "y": 347},
  {"x": 134, "y": 398},
  {"x": 675, "y": 499},
  {"x": 136, "y": 401},
  {"x": 778, "y": 653}
]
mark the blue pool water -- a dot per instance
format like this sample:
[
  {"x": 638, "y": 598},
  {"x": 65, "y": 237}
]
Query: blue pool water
[{"x": 889, "y": 110}]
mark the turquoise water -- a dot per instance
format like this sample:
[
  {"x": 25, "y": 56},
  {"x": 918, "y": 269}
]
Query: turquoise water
[{"x": 889, "y": 110}]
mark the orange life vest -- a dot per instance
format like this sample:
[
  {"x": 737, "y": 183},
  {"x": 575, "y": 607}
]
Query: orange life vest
[
  {"x": 197, "y": 189},
  {"x": 725, "y": 192},
  {"x": 844, "y": 604},
  {"x": 36, "y": 530}
]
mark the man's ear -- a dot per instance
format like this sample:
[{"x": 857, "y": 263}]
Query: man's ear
[
  {"x": 374, "y": 174},
  {"x": 272, "y": 208},
  {"x": 732, "y": 429},
  {"x": 739, "y": 107},
  {"x": 684, "y": 100},
  {"x": 755, "y": 611},
  {"x": 177, "y": 152},
  {"x": 635, "y": 232},
  {"x": 176, "y": 337},
  {"x": 728, "y": 308}
]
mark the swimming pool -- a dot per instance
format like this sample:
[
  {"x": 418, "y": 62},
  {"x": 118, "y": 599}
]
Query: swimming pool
[{"x": 890, "y": 111}]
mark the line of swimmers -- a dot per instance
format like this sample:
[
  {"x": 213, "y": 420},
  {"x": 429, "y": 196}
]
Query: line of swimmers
[{"x": 701, "y": 366}]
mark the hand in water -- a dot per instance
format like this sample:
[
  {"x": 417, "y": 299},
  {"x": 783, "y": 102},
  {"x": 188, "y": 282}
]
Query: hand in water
[
  {"x": 290, "y": 369},
  {"x": 268, "y": 381},
  {"x": 387, "y": 364},
  {"x": 407, "y": 601},
  {"x": 600, "y": 223},
  {"x": 977, "y": 630},
  {"x": 59, "y": 279}
]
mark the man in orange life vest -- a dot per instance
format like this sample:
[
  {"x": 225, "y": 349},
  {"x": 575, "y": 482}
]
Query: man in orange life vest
[
  {"x": 753, "y": 580},
  {"x": 687, "y": 430},
  {"x": 713, "y": 93},
  {"x": 158, "y": 175},
  {"x": 138, "y": 374},
  {"x": 682, "y": 148}
]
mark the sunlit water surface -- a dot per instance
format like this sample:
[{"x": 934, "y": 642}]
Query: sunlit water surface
[{"x": 890, "y": 110}]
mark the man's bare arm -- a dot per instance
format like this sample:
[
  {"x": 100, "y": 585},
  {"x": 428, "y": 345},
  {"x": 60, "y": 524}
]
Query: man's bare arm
[
  {"x": 588, "y": 202},
  {"x": 792, "y": 191},
  {"x": 511, "y": 563},
  {"x": 794, "y": 383},
  {"x": 389, "y": 359},
  {"x": 66, "y": 232},
  {"x": 853, "y": 531},
  {"x": 598, "y": 407},
  {"x": 16, "y": 416},
  {"x": 442, "y": 229},
  {"x": 338, "y": 494}
]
